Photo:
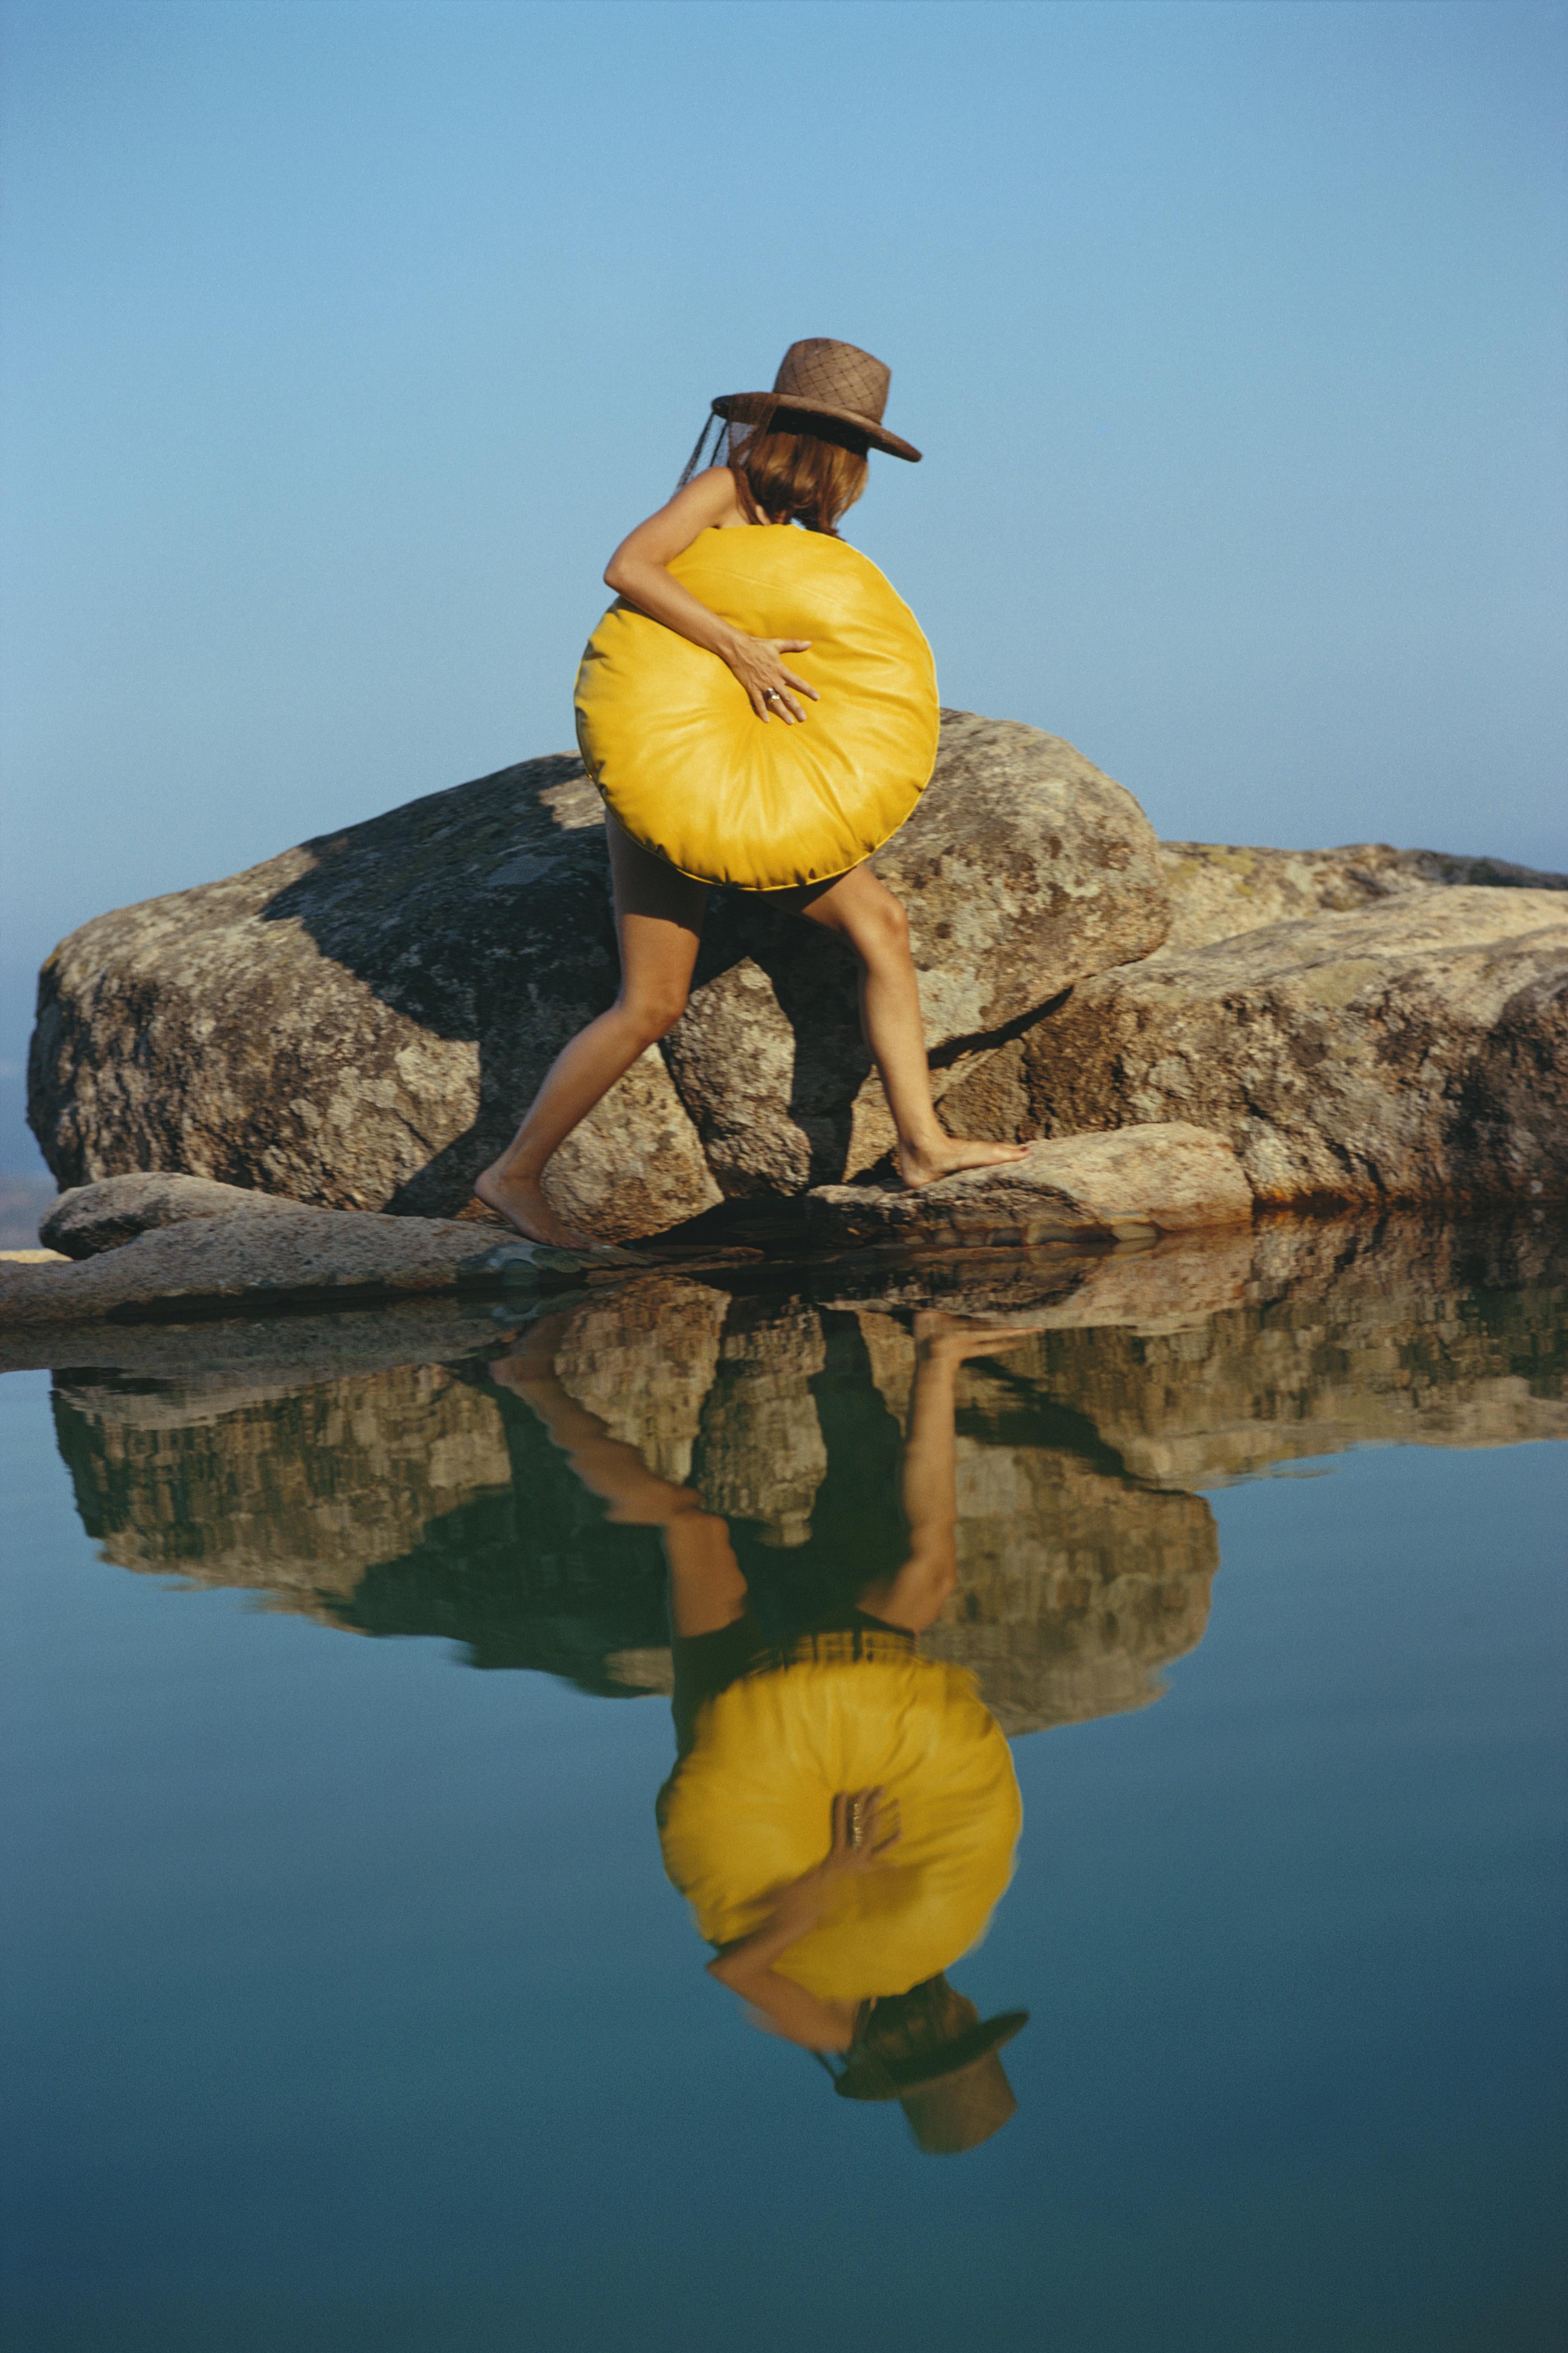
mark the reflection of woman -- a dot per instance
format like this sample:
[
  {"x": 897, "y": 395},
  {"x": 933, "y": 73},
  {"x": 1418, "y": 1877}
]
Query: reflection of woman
[
  {"x": 674, "y": 703},
  {"x": 843, "y": 1813}
]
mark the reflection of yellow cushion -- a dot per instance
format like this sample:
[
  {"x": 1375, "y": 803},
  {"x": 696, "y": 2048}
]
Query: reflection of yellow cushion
[
  {"x": 693, "y": 773},
  {"x": 750, "y": 1809}
]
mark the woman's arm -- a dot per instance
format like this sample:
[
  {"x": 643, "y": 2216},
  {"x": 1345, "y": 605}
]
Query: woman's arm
[
  {"x": 637, "y": 572},
  {"x": 865, "y": 1828},
  {"x": 916, "y": 1595}
]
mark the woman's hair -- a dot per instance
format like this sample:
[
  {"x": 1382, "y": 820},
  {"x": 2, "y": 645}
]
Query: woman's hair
[
  {"x": 792, "y": 473},
  {"x": 911, "y": 2025}
]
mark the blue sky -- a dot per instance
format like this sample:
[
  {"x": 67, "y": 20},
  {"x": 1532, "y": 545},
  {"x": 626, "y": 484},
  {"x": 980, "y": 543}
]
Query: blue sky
[{"x": 343, "y": 341}]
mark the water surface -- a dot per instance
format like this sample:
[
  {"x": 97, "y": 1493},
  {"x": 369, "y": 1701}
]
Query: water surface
[{"x": 350, "y": 2002}]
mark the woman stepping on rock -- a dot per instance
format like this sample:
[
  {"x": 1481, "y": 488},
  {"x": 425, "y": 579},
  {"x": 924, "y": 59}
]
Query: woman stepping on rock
[{"x": 675, "y": 698}]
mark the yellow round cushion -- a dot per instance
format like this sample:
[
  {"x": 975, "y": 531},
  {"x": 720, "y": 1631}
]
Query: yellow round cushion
[
  {"x": 749, "y": 1808},
  {"x": 689, "y": 770}
]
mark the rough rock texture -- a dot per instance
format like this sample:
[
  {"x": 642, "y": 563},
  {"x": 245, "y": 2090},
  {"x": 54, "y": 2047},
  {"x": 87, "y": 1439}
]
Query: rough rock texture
[
  {"x": 1217, "y": 890},
  {"x": 255, "y": 1256},
  {"x": 90, "y": 1219},
  {"x": 1022, "y": 869},
  {"x": 1160, "y": 1178},
  {"x": 1417, "y": 1049},
  {"x": 357, "y": 1023}
]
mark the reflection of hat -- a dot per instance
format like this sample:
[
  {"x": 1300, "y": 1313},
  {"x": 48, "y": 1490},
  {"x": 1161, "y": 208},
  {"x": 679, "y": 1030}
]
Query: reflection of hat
[{"x": 940, "y": 2064}]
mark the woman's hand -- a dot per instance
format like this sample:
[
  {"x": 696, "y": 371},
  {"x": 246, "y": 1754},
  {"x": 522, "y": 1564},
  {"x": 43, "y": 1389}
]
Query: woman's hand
[
  {"x": 770, "y": 687},
  {"x": 639, "y": 572},
  {"x": 865, "y": 1829}
]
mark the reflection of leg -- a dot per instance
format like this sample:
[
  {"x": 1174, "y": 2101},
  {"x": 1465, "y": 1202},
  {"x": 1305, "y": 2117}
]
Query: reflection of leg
[
  {"x": 914, "y": 1598},
  {"x": 706, "y": 1589},
  {"x": 659, "y": 914},
  {"x": 863, "y": 910}
]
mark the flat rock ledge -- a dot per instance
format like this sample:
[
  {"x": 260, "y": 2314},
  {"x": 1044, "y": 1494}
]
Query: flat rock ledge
[
  {"x": 153, "y": 1244},
  {"x": 1162, "y": 1177},
  {"x": 91, "y": 1219}
]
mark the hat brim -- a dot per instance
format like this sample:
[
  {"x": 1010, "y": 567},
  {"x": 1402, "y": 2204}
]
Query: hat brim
[
  {"x": 876, "y": 2080},
  {"x": 745, "y": 408}
]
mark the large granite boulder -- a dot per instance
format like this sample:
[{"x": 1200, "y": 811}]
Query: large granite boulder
[
  {"x": 1415, "y": 1050},
  {"x": 354, "y": 1023},
  {"x": 1217, "y": 890},
  {"x": 357, "y": 1023}
]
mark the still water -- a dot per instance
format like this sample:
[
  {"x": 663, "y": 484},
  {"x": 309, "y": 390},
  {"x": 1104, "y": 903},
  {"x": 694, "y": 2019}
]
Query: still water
[{"x": 377, "y": 1682}]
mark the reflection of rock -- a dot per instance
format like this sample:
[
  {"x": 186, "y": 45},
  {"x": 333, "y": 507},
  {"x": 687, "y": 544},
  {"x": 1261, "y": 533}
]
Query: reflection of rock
[
  {"x": 298, "y": 1492},
  {"x": 1138, "y": 1179},
  {"x": 1076, "y": 1584},
  {"x": 762, "y": 1456},
  {"x": 1352, "y": 1334},
  {"x": 435, "y": 1328},
  {"x": 644, "y": 1365},
  {"x": 409, "y": 1501},
  {"x": 1181, "y": 1281},
  {"x": 399, "y": 1497}
]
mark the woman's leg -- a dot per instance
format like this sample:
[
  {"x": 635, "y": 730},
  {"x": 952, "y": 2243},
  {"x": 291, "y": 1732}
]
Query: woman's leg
[
  {"x": 658, "y": 915},
  {"x": 707, "y": 1591},
  {"x": 868, "y": 916}
]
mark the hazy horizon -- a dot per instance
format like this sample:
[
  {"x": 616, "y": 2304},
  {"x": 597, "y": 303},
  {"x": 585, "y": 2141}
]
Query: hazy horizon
[{"x": 343, "y": 341}]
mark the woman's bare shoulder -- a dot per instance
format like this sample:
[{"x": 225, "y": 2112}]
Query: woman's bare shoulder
[
  {"x": 712, "y": 495},
  {"x": 696, "y": 507}
]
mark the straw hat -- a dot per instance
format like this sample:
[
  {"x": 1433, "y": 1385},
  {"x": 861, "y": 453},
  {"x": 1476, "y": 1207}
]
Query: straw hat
[
  {"x": 944, "y": 2074},
  {"x": 822, "y": 378}
]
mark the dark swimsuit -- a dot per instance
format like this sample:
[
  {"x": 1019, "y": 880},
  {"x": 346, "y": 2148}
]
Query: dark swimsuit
[
  {"x": 805, "y": 1595},
  {"x": 706, "y": 1664}
]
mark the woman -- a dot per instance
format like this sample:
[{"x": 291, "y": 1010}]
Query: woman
[
  {"x": 836, "y": 1904},
  {"x": 689, "y": 801}
]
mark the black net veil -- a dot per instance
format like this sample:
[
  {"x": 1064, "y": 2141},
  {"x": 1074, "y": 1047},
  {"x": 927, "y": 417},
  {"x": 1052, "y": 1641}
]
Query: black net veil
[{"x": 721, "y": 454}]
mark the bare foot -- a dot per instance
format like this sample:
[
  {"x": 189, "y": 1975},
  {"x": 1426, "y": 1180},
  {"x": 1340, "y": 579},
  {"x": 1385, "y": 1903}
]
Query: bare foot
[
  {"x": 947, "y": 1156},
  {"x": 521, "y": 1201}
]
